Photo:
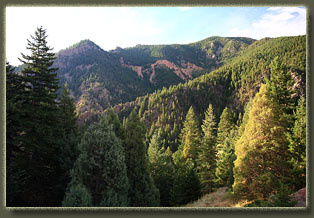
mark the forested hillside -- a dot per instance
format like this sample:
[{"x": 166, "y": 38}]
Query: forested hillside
[
  {"x": 221, "y": 112},
  {"x": 98, "y": 79}
]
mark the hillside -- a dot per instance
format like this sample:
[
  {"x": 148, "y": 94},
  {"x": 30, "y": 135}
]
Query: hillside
[
  {"x": 231, "y": 85},
  {"x": 99, "y": 79}
]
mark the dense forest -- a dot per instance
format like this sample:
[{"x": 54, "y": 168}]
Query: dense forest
[{"x": 237, "y": 119}]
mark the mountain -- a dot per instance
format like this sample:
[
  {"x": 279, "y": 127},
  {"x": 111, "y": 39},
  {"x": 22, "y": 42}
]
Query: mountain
[
  {"x": 232, "y": 85},
  {"x": 99, "y": 79}
]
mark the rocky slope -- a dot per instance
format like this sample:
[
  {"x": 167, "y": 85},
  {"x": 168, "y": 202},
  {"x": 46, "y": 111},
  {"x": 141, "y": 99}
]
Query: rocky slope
[{"x": 99, "y": 79}]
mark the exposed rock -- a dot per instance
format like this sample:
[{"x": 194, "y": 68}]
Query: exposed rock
[{"x": 300, "y": 197}]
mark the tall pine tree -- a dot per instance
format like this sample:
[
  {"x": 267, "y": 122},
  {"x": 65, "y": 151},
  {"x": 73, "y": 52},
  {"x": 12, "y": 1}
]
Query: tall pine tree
[
  {"x": 262, "y": 151},
  {"x": 225, "y": 151},
  {"x": 70, "y": 137},
  {"x": 297, "y": 146},
  {"x": 162, "y": 168},
  {"x": 191, "y": 136},
  {"x": 40, "y": 126},
  {"x": 207, "y": 155},
  {"x": 142, "y": 192}
]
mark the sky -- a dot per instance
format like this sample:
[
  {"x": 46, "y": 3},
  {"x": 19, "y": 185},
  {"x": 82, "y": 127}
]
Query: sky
[{"x": 111, "y": 27}]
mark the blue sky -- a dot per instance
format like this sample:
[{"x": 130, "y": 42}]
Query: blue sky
[{"x": 110, "y": 27}]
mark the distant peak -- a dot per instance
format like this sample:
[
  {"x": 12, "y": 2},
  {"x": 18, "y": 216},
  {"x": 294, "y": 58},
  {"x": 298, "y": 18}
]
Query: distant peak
[{"x": 85, "y": 42}]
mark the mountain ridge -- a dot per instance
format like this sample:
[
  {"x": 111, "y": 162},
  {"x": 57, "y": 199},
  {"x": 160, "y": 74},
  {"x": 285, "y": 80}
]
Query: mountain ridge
[{"x": 99, "y": 79}]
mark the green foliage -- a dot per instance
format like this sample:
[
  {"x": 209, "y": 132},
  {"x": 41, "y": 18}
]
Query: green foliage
[
  {"x": 101, "y": 166},
  {"x": 281, "y": 199},
  {"x": 162, "y": 169},
  {"x": 206, "y": 161},
  {"x": 186, "y": 186},
  {"x": 77, "y": 196},
  {"x": 261, "y": 151},
  {"x": 297, "y": 146},
  {"x": 191, "y": 136},
  {"x": 142, "y": 190},
  {"x": 225, "y": 163},
  {"x": 33, "y": 145},
  {"x": 70, "y": 136}
]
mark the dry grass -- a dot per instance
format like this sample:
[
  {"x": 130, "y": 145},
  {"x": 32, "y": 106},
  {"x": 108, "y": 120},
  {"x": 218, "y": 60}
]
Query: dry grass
[{"x": 220, "y": 198}]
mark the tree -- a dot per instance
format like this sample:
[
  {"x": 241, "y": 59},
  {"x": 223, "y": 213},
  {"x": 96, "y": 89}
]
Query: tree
[
  {"x": 100, "y": 167},
  {"x": 14, "y": 129},
  {"x": 70, "y": 137},
  {"x": 297, "y": 146},
  {"x": 225, "y": 151},
  {"x": 142, "y": 190},
  {"x": 224, "y": 170},
  {"x": 162, "y": 168},
  {"x": 224, "y": 126},
  {"x": 280, "y": 86},
  {"x": 190, "y": 136},
  {"x": 261, "y": 151},
  {"x": 39, "y": 129},
  {"x": 206, "y": 161}
]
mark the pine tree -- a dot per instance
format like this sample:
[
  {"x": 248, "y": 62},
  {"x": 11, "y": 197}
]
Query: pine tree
[
  {"x": 191, "y": 136},
  {"x": 224, "y": 126},
  {"x": 280, "y": 86},
  {"x": 70, "y": 137},
  {"x": 261, "y": 151},
  {"x": 297, "y": 146},
  {"x": 142, "y": 190},
  {"x": 77, "y": 196},
  {"x": 225, "y": 151},
  {"x": 207, "y": 155},
  {"x": 14, "y": 130},
  {"x": 225, "y": 165},
  {"x": 40, "y": 126},
  {"x": 162, "y": 168},
  {"x": 100, "y": 167}
]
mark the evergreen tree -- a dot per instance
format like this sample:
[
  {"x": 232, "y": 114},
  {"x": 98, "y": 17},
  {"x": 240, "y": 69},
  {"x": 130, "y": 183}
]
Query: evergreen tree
[
  {"x": 297, "y": 146},
  {"x": 77, "y": 196},
  {"x": 162, "y": 168},
  {"x": 117, "y": 126},
  {"x": 70, "y": 137},
  {"x": 101, "y": 167},
  {"x": 261, "y": 151},
  {"x": 191, "y": 136},
  {"x": 186, "y": 185},
  {"x": 225, "y": 151},
  {"x": 14, "y": 130},
  {"x": 142, "y": 190},
  {"x": 225, "y": 165},
  {"x": 207, "y": 155},
  {"x": 224, "y": 127},
  {"x": 38, "y": 146}
]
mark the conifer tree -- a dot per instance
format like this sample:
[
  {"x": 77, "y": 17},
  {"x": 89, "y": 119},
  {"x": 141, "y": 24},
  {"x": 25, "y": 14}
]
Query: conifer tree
[
  {"x": 143, "y": 191},
  {"x": 207, "y": 155},
  {"x": 226, "y": 157},
  {"x": 262, "y": 151},
  {"x": 162, "y": 168},
  {"x": 225, "y": 151},
  {"x": 224, "y": 126},
  {"x": 100, "y": 168},
  {"x": 297, "y": 146},
  {"x": 70, "y": 137},
  {"x": 40, "y": 126},
  {"x": 191, "y": 136},
  {"x": 14, "y": 129},
  {"x": 280, "y": 86}
]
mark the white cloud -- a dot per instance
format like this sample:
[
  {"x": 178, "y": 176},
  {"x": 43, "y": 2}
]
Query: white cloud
[{"x": 278, "y": 21}]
